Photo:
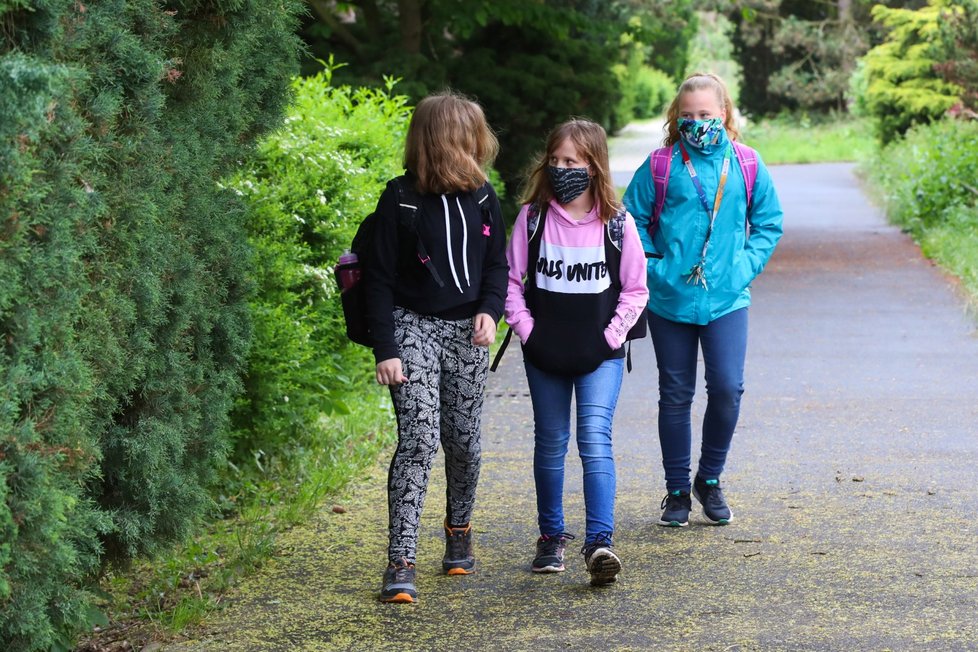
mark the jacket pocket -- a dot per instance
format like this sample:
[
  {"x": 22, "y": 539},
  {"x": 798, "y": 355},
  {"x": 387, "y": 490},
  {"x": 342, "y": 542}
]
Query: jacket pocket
[{"x": 565, "y": 348}]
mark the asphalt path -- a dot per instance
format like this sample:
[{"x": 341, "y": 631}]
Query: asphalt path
[{"x": 851, "y": 477}]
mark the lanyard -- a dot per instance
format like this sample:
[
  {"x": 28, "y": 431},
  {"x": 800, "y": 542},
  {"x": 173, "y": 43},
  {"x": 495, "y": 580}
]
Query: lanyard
[{"x": 697, "y": 273}]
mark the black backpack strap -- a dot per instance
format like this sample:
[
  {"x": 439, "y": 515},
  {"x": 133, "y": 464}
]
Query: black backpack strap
[
  {"x": 613, "y": 244},
  {"x": 482, "y": 199},
  {"x": 501, "y": 350},
  {"x": 408, "y": 208}
]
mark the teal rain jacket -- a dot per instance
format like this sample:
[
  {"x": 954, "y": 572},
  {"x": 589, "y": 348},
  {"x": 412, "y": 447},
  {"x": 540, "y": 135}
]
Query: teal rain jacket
[{"x": 732, "y": 260}]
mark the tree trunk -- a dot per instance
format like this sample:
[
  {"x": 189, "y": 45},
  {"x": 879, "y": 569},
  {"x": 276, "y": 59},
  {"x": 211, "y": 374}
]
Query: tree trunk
[
  {"x": 409, "y": 16},
  {"x": 845, "y": 10}
]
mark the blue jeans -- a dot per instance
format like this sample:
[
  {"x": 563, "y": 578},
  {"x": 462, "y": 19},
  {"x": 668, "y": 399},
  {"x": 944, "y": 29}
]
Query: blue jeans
[
  {"x": 724, "y": 343},
  {"x": 597, "y": 395}
]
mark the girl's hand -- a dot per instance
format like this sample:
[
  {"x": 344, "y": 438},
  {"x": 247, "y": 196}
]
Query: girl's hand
[
  {"x": 483, "y": 329},
  {"x": 389, "y": 372}
]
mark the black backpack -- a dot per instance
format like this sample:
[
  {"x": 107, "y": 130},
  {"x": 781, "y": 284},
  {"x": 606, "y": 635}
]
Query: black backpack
[
  {"x": 613, "y": 243},
  {"x": 354, "y": 298}
]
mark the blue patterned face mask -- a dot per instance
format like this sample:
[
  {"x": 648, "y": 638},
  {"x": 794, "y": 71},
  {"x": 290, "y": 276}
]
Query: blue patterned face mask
[{"x": 700, "y": 133}]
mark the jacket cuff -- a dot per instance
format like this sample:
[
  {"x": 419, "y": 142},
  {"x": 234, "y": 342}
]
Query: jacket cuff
[{"x": 386, "y": 352}]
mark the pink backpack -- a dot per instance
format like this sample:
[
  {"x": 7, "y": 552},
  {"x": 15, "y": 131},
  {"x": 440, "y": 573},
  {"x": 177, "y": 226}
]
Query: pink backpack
[{"x": 661, "y": 163}]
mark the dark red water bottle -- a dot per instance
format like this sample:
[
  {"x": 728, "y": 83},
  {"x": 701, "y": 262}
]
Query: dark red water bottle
[{"x": 347, "y": 271}]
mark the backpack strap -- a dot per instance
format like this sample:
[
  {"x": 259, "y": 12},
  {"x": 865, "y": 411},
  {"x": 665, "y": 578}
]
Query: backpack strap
[
  {"x": 660, "y": 162},
  {"x": 613, "y": 245},
  {"x": 616, "y": 228},
  {"x": 408, "y": 208},
  {"x": 747, "y": 157},
  {"x": 482, "y": 199}
]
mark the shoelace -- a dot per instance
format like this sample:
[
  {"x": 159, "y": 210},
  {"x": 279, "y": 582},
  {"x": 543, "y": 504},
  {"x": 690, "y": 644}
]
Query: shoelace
[
  {"x": 674, "y": 502},
  {"x": 714, "y": 496},
  {"x": 589, "y": 548},
  {"x": 456, "y": 541},
  {"x": 553, "y": 542},
  {"x": 403, "y": 571}
]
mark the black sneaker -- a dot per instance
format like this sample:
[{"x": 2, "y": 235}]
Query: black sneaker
[
  {"x": 399, "y": 583},
  {"x": 675, "y": 509},
  {"x": 459, "y": 559},
  {"x": 550, "y": 553},
  {"x": 601, "y": 562},
  {"x": 710, "y": 495}
]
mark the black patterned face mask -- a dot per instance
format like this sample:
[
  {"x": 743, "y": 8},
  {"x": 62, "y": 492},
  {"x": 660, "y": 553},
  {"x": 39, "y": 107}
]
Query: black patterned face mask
[{"x": 568, "y": 183}]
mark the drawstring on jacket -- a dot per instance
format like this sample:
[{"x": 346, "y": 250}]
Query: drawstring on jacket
[{"x": 448, "y": 243}]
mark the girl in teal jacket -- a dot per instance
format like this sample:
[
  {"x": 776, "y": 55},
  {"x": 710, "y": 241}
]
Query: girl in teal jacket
[{"x": 719, "y": 223}]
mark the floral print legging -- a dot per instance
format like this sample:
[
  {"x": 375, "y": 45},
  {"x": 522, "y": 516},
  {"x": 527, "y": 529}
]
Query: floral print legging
[{"x": 441, "y": 402}]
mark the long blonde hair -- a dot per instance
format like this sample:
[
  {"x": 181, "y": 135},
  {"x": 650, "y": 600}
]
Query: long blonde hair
[
  {"x": 449, "y": 144},
  {"x": 697, "y": 82},
  {"x": 591, "y": 143}
]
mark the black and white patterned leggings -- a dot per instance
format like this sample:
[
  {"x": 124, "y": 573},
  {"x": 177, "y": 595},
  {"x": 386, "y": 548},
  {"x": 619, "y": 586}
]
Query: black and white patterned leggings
[{"x": 442, "y": 401}]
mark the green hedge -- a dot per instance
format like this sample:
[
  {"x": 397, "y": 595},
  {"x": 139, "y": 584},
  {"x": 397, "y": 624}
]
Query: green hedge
[
  {"x": 309, "y": 186},
  {"x": 123, "y": 308},
  {"x": 927, "y": 182}
]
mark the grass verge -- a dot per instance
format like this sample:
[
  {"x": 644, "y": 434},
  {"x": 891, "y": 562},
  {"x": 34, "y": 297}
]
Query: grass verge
[
  {"x": 155, "y": 600},
  {"x": 800, "y": 139},
  {"x": 925, "y": 183}
]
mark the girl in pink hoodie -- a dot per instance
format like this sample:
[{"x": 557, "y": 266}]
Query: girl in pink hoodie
[{"x": 576, "y": 293}]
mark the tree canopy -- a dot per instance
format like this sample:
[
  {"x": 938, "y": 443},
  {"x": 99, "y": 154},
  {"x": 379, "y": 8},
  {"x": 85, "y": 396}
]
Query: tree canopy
[{"x": 530, "y": 63}]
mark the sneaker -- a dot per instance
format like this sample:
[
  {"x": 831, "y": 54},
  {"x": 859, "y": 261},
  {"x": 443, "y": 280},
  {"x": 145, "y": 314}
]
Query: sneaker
[
  {"x": 459, "y": 559},
  {"x": 675, "y": 509},
  {"x": 399, "y": 583},
  {"x": 710, "y": 495},
  {"x": 602, "y": 564},
  {"x": 550, "y": 553}
]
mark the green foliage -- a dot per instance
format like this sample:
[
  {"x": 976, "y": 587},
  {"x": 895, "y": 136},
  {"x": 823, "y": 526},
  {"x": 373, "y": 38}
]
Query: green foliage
[
  {"x": 309, "y": 186},
  {"x": 800, "y": 138},
  {"x": 959, "y": 44},
  {"x": 821, "y": 56},
  {"x": 904, "y": 88},
  {"x": 929, "y": 175},
  {"x": 154, "y": 599},
  {"x": 646, "y": 92},
  {"x": 798, "y": 54},
  {"x": 927, "y": 183},
  {"x": 711, "y": 50},
  {"x": 531, "y": 64},
  {"x": 123, "y": 311}
]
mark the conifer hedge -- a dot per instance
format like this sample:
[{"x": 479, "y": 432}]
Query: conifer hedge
[{"x": 123, "y": 303}]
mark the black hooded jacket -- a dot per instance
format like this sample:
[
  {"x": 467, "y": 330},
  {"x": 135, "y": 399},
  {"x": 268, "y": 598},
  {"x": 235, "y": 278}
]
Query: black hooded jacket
[{"x": 467, "y": 246}]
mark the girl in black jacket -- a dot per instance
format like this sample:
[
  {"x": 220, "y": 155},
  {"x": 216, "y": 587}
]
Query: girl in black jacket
[{"x": 432, "y": 311}]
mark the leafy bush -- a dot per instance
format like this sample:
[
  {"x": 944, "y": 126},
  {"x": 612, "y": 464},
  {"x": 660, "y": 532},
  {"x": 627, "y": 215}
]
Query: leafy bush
[
  {"x": 309, "y": 186},
  {"x": 928, "y": 176},
  {"x": 122, "y": 309},
  {"x": 645, "y": 91}
]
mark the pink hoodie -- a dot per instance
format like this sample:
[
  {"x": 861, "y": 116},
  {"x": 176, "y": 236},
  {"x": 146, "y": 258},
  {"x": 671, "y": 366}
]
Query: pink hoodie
[{"x": 581, "y": 241}]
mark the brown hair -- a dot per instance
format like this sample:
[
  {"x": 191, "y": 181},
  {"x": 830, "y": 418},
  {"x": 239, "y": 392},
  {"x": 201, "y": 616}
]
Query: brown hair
[
  {"x": 696, "y": 82},
  {"x": 591, "y": 143},
  {"x": 449, "y": 144}
]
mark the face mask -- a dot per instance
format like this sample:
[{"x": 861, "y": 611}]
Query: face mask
[
  {"x": 568, "y": 183},
  {"x": 700, "y": 133}
]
